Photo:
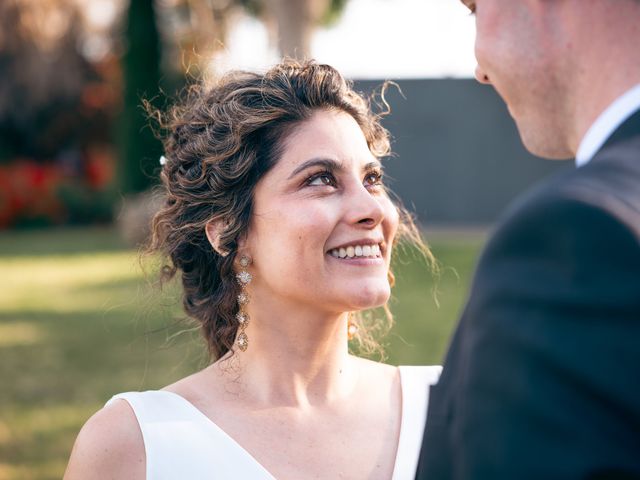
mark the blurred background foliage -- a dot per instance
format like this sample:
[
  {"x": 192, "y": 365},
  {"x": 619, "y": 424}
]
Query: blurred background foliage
[{"x": 74, "y": 140}]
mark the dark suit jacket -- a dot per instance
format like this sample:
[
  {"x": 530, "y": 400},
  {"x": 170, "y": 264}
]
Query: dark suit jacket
[{"x": 542, "y": 379}]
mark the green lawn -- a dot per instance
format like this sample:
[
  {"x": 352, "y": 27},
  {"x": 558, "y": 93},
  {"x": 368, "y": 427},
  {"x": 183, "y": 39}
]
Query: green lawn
[{"x": 79, "y": 322}]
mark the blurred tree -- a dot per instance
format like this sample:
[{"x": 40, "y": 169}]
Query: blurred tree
[
  {"x": 210, "y": 21},
  {"x": 56, "y": 112},
  {"x": 139, "y": 148},
  {"x": 292, "y": 22},
  {"x": 43, "y": 75},
  {"x": 295, "y": 22}
]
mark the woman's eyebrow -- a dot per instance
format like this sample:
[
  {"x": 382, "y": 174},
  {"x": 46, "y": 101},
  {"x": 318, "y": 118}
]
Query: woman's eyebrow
[
  {"x": 372, "y": 165},
  {"x": 328, "y": 163}
]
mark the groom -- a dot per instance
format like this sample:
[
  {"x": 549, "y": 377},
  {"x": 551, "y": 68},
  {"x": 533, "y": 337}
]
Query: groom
[{"x": 542, "y": 379}]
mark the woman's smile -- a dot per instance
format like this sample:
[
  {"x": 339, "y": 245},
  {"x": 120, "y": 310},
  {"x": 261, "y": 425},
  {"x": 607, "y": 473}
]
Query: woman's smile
[
  {"x": 359, "y": 250},
  {"x": 359, "y": 253}
]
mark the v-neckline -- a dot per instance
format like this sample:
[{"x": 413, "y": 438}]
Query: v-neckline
[
  {"x": 234, "y": 442},
  {"x": 219, "y": 429}
]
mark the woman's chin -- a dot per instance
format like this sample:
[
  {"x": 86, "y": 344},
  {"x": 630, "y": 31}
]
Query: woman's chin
[{"x": 367, "y": 297}]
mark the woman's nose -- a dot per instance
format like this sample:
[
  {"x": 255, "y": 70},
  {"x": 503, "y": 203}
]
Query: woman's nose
[{"x": 365, "y": 209}]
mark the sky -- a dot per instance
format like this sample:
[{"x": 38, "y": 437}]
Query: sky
[{"x": 376, "y": 39}]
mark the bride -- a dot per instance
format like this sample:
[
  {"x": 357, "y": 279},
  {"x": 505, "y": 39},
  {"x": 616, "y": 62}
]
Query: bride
[{"x": 279, "y": 225}]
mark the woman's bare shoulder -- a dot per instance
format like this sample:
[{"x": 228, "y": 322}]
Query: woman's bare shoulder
[{"x": 110, "y": 445}]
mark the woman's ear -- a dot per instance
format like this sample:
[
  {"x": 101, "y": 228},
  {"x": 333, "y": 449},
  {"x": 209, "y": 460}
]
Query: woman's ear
[{"x": 214, "y": 230}]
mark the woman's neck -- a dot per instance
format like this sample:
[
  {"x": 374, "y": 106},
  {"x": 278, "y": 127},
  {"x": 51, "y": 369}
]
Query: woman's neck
[{"x": 296, "y": 357}]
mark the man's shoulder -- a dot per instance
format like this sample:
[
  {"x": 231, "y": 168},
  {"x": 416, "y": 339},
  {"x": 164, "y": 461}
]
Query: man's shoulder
[
  {"x": 609, "y": 185},
  {"x": 570, "y": 220}
]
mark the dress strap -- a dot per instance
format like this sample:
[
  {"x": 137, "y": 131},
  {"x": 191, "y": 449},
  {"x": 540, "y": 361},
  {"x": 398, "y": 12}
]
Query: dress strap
[
  {"x": 416, "y": 382},
  {"x": 169, "y": 431}
]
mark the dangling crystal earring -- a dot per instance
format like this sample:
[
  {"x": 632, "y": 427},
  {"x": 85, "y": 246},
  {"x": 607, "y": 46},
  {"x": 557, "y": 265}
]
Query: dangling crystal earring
[
  {"x": 244, "y": 278},
  {"x": 352, "y": 327}
]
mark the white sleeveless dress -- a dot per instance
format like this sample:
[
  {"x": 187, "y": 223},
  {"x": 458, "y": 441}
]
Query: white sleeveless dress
[{"x": 182, "y": 443}]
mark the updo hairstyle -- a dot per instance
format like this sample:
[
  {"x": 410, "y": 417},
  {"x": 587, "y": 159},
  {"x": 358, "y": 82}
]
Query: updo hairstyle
[{"x": 219, "y": 143}]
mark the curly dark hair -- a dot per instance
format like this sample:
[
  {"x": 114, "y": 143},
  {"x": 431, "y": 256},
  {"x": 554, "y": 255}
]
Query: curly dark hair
[{"x": 219, "y": 143}]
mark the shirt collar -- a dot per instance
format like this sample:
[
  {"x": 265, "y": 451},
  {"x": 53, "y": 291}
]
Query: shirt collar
[{"x": 606, "y": 124}]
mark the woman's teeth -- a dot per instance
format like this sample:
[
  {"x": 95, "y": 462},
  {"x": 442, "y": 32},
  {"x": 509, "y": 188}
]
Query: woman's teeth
[{"x": 372, "y": 251}]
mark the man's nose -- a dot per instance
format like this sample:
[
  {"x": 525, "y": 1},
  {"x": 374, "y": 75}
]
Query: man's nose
[{"x": 481, "y": 76}]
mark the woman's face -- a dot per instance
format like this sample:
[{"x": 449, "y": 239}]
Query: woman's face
[{"x": 323, "y": 225}]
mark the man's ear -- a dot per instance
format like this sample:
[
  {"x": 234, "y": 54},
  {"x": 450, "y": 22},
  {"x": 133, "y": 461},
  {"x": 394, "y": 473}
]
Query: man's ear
[{"x": 214, "y": 230}]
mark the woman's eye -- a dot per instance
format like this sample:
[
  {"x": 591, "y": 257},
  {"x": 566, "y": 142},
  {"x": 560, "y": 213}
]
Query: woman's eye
[
  {"x": 373, "y": 179},
  {"x": 322, "y": 180}
]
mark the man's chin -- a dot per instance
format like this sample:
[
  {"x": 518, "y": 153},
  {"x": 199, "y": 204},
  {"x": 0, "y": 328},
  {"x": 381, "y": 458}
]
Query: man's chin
[
  {"x": 542, "y": 139},
  {"x": 546, "y": 146}
]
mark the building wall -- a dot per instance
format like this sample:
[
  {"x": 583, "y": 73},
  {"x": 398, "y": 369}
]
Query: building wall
[{"x": 459, "y": 158}]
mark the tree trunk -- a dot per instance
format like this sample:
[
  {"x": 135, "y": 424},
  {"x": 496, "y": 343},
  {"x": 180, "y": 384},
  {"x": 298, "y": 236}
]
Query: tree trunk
[{"x": 296, "y": 21}]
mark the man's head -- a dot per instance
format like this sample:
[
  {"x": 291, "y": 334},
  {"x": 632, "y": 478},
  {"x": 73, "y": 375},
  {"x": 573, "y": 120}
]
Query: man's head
[{"x": 556, "y": 63}]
